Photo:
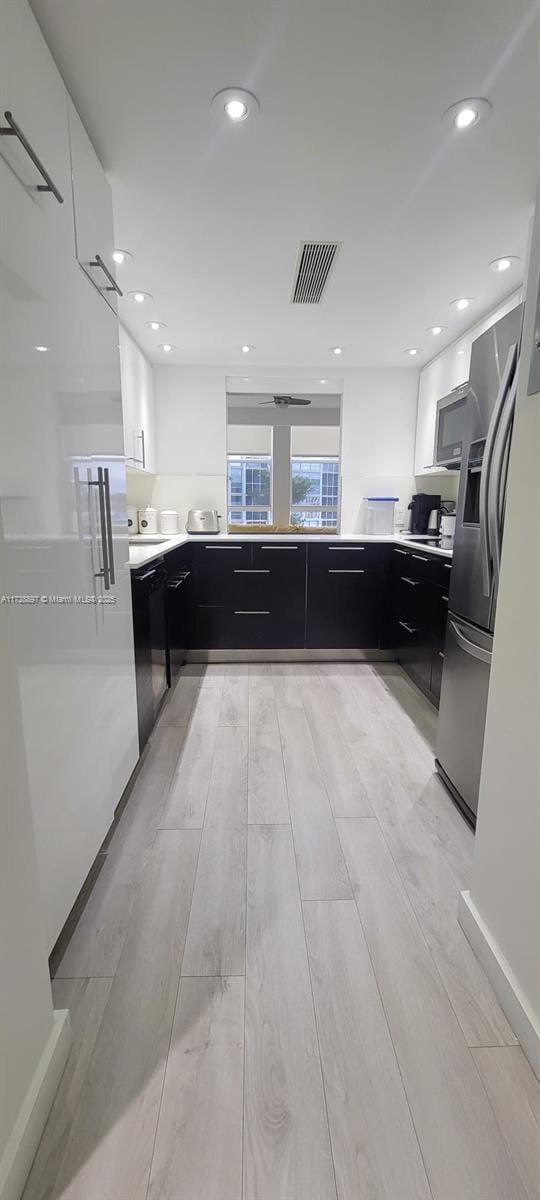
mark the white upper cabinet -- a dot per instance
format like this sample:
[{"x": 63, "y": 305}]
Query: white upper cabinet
[
  {"x": 93, "y": 211},
  {"x": 138, "y": 406}
]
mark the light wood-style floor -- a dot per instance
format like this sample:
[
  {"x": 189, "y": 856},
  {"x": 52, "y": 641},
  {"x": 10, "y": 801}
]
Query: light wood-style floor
[{"x": 270, "y": 995}]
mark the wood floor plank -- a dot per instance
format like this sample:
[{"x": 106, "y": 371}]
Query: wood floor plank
[
  {"x": 286, "y": 1143},
  {"x": 179, "y": 705},
  {"x": 140, "y": 819},
  {"x": 227, "y": 796},
  {"x": 186, "y": 801},
  {"x": 434, "y": 895},
  {"x": 459, "y": 1137},
  {"x": 374, "y": 1144},
  {"x": 286, "y": 689},
  {"x": 234, "y": 700},
  {"x": 350, "y": 718},
  {"x": 346, "y": 792},
  {"x": 86, "y": 1000},
  {"x": 217, "y": 934},
  {"x": 110, "y": 1146},
  {"x": 321, "y": 868},
  {"x": 98, "y": 939},
  {"x": 514, "y": 1092},
  {"x": 267, "y": 792},
  {"x": 198, "y": 1150}
]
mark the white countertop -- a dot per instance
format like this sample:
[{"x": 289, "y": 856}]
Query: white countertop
[{"x": 140, "y": 555}]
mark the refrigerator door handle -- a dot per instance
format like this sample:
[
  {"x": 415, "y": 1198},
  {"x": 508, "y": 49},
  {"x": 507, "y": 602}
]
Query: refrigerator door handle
[
  {"x": 496, "y": 499},
  {"x": 469, "y": 647},
  {"x": 108, "y": 522},
  {"x": 485, "y": 547}
]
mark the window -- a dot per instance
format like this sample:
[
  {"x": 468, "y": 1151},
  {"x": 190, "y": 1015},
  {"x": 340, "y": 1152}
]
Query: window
[
  {"x": 315, "y": 492},
  {"x": 249, "y": 489}
]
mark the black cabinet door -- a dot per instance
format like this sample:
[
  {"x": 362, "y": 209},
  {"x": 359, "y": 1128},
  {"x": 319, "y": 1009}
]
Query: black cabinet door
[
  {"x": 218, "y": 627},
  {"x": 343, "y": 607},
  {"x": 415, "y": 651}
]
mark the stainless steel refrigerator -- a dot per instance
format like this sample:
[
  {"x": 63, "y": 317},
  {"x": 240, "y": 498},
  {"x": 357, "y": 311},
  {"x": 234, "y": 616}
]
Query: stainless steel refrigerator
[{"x": 476, "y": 559}]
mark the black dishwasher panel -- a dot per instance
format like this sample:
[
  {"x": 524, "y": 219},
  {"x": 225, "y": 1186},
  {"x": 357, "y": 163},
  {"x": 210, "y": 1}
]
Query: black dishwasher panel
[{"x": 148, "y": 587}]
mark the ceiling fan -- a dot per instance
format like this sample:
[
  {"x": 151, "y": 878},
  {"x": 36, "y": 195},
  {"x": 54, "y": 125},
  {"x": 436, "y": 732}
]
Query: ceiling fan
[{"x": 286, "y": 401}]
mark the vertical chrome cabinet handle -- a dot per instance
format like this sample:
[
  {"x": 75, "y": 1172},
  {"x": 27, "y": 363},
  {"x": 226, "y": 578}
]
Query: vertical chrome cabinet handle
[
  {"x": 13, "y": 130},
  {"x": 113, "y": 286},
  {"x": 103, "y": 528},
  {"x": 485, "y": 474},
  {"x": 143, "y": 449},
  {"x": 108, "y": 516}
]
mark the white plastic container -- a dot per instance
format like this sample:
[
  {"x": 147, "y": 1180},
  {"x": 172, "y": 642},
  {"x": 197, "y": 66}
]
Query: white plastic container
[
  {"x": 133, "y": 519},
  {"x": 148, "y": 520},
  {"x": 380, "y": 514},
  {"x": 168, "y": 521}
]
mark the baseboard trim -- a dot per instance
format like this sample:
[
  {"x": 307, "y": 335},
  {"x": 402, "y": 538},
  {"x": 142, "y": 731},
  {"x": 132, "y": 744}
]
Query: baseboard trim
[
  {"x": 25, "y": 1136},
  {"x": 503, "y": 980},
  {"x": 240, "y": 656}
]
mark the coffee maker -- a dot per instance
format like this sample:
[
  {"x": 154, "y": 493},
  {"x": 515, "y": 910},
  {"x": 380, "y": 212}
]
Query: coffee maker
[{"x": 422, "y": 504}]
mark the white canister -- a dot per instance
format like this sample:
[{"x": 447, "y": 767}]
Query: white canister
[
  {"x": 168, "y": 521},
  {"x": 132, "y": 518},
  {"x": 148, "y": 520}
]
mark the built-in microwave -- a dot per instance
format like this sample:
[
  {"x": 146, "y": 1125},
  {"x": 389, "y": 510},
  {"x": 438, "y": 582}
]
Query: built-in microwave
[{"x": 449, "y": 427}]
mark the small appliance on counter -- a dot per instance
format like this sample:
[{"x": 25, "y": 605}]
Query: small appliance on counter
[
  {"x": 203, "y": 520},
  {"x": 168, "y": 522},
  {"x": 132, "y": 519},
  {"x": 420, "y": 508},
  {"x": 148, "y": 520},
  {"x": 448, "y": 525}
]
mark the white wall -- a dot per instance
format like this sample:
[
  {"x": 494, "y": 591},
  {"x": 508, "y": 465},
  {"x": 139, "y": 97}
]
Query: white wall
[
  {"x": 505, "y": 888},
  {"x": 441, "y": 375},
  {"x": 377, "y": 442}
]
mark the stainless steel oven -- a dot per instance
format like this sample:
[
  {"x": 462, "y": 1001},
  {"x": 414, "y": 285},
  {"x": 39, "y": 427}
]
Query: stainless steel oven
[{"x": 449, "y": 428}]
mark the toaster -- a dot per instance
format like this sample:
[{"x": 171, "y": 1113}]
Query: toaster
[{"x": 202, "y": 520}]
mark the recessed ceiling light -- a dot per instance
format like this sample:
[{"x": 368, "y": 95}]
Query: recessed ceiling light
[
  {"x": 166, "y": 347},
  {"x": 413, "y": 351},
  {"x": 336, "y": 349},
  {"x": 140, "y": 297},
  {"x": 41, "y": 349},
  {"x": 462, "y": 303},
  {"x": 236, "y": 103},
  {"x": 155, "y": 325},
  {"x": 246, "y": 349},
  {"x": 436, "y": 329},
  {"x": 121, "y": 256},
  {"x": 467, "y": 113},
  {"x": 503, "y": 264}
]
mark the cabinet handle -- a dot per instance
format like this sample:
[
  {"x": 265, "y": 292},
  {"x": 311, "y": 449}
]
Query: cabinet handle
[
  {"x": 252, "y": 612},
  {"x": 279, "y": 547},
  {"x": 409, "y": 628},
  {"x": 355, "y": 549},
  {"x": 174, "y": 584},
  {"x": 13, "y": 130},
  {"x": 146, "y": 575},
  {"x": 448, "y": 566},
  {"x": 113, "y": 286},
  {"x": 108, "y": 521},
  {"x": 412, "y": 582},
  {"x": 445, "y": 598},
  {"x": 440, "y": 653},
  {"x": 104, "y": 530},
  {"x": 344, "y": 571},
  {"x": 405, "y": 552},
  {"x": 143, "y": 448},
  {"x": 421, "y": 557},
  {"x": 250, "y": 571},
  {"x": 222, "y": 547}
]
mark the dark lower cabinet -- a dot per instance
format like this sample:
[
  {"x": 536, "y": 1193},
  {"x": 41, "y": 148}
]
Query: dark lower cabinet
[
  {"x": 148, "y": 589},
  {"x": 343, "y": 608},
  {"x": 417, "y": 609},
  {"x": 252, "y": 600}
]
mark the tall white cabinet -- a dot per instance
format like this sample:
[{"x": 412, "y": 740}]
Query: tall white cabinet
[{"x": 62, "y": 474}]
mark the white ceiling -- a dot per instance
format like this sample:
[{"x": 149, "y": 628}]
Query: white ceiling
[{"x": 348, "y": 144}]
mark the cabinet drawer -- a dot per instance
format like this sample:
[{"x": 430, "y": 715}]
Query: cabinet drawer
[
  {"x": 361, "y": 555},
  {"x": 286, "y": 556},
  {"x": 412, "y": 600},
  {"x": 236, "y": 554},
  {"x": 260, "y": 628}
]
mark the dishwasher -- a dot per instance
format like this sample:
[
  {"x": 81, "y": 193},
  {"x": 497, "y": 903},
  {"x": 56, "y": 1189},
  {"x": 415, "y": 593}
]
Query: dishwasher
[{"x": 148, "y": 589}]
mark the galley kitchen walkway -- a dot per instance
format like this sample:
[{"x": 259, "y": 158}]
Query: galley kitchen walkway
[{"x": 270, "y": 995}]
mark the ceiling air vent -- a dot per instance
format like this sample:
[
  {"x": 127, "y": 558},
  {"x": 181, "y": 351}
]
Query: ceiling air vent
[{"x": 315, "y": 261}]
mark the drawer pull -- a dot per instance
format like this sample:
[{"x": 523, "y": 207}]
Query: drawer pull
[
  {"x": 396, "y": 551},
  {"x": 355, "y": 549},
  {"x": 421, "y": 557},
  {"x": 448, "y": 566},
  {"x": 345, "y": 571},
  {"x": 409, "y": 628},
  {"x": 412, "y": 582},
  {"x": 250, "y": 571},
  {"x": 445, "y": 598},
  {"x": 278, "y": 547},
  {"x": 223, "y": 547},
  {"x": 252, "y": 612},
  {"x": 440, "y": 653}
]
